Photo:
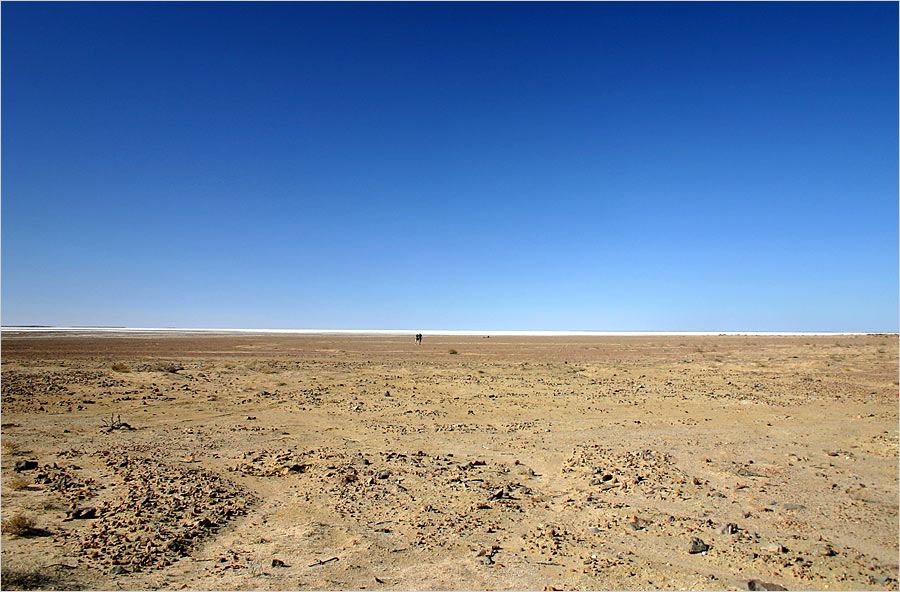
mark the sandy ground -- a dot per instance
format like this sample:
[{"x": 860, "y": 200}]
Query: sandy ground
[{"x": 366, "y": 462}]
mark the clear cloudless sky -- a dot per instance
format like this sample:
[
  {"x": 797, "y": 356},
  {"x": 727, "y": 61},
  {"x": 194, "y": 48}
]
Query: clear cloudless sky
[{"x": 555, "y": 166}]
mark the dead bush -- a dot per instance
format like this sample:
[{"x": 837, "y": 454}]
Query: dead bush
[
  {"x": 170, "y": 367},
  {"x": 114, "y": 423},
  {"x": 120, "y": 367},
  {"x": 18, "y": 525},
  {"x": 12, "y": 578},
  {"x": 18, "y": 483},
  {"x": 9, "y": 447}
]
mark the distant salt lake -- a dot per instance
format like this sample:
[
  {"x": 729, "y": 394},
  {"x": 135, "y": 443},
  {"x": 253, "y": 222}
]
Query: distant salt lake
[{"x": 174, "y": 330}]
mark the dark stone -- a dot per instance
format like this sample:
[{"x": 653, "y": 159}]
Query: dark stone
[
  {"x": 84, "y": 513},
  {"x": 697, "y": 546},
  {"x": 758, "y": 585},
  {"x": 279, "y": 563},
  {"x": 25, "y": 465},
  {"x": 117, "y": 570}
]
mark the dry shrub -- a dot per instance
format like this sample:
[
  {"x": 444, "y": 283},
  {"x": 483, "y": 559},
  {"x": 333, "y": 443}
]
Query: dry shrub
[
  {"x": 121, "y": 367},
  {"x": 9, "y": 447},
  {"x": 452, "y": 351},
  {"x": 18, "y": 483},
  {"x": 169, "y": 367},
  {"x": 18, "y": 525},
  {"x": 12, "y": 578}
]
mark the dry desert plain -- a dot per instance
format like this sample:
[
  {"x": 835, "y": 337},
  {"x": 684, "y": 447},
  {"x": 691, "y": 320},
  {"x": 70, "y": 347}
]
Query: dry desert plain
[{"x": 365, "y": 462}]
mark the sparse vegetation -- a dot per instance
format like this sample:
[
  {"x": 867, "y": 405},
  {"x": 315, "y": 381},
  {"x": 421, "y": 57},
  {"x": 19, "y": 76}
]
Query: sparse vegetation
[
  {"x": 120, "y": 367},
  {"x": 114, "y": 423},
  {"x": 9, "y": 447},
  {"x": 170, "y": 367},
  {"x": 17, "y": 483},
  {"x": 30, "y": 579},
  {"x": 18, "y": 525}
]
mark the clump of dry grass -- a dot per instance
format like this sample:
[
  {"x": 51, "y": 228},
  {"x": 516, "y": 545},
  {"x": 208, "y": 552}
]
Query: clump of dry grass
[
  {"x": 169, "y": 367},
  {"x": 17, "y": 483},
  {"x": 120, "y": 367},
  {"x": 18, "y": 525},
  {"x": 8, "y": 446},
  {"x": 452, "y": 351},
  {"x": 12, "y": 578}
]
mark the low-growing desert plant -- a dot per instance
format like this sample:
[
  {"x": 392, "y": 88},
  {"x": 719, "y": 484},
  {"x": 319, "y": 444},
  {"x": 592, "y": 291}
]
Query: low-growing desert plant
[
  {"x": 169, "y": 367},
  {"x": 120, "y": 367},
  {"x": 17, "y": 483},
  {"x": 114, "y": 423},
  {"x": 8, "y": 446},
  {"x": 12, "y": 578},
  {"x": 18, "y": 525}
]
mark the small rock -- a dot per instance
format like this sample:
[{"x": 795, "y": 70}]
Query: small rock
[
  {"x": 117, "y": 570},
  {"x": 729, "y": 528},
  {"x": 793, "y": 507},
  {"x": 758, "y": 585},
  {"x": 279, "y": 563},
  {"x": 697, "y": 546},
  {"x": 774, "y": 548},
  {"x": 83, "y": 513},
  {"x": 636, "y": 523},
  {"x": 825, "y": 551},
  {"x": 25, "y": 465}
]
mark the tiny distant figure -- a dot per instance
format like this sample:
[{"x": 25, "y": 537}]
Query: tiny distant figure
[{"x": 418, "y": 339}]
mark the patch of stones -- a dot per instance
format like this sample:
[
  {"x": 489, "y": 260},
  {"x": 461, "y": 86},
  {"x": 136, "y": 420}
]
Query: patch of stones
[
  {"x": 65, "y": 481},
  {"x": 25, "y": 391},
  {"x": 649, "y": 472},
  {"x": 162, "y": 513},
  {"x": 385, "y": 490}
]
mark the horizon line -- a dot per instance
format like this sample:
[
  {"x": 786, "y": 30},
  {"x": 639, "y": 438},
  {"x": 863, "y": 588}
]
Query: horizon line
[{"x": 511, "y": 333}]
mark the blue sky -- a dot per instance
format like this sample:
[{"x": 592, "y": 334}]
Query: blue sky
[{"x": 596, "y": 166}]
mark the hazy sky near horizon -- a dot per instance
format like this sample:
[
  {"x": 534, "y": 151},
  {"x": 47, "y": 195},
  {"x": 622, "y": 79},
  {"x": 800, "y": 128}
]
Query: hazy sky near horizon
[{"x": 594, "y": 166}]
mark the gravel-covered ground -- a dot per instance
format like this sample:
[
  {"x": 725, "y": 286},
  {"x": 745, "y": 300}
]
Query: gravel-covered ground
[{"x": 367, "y": 462}]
